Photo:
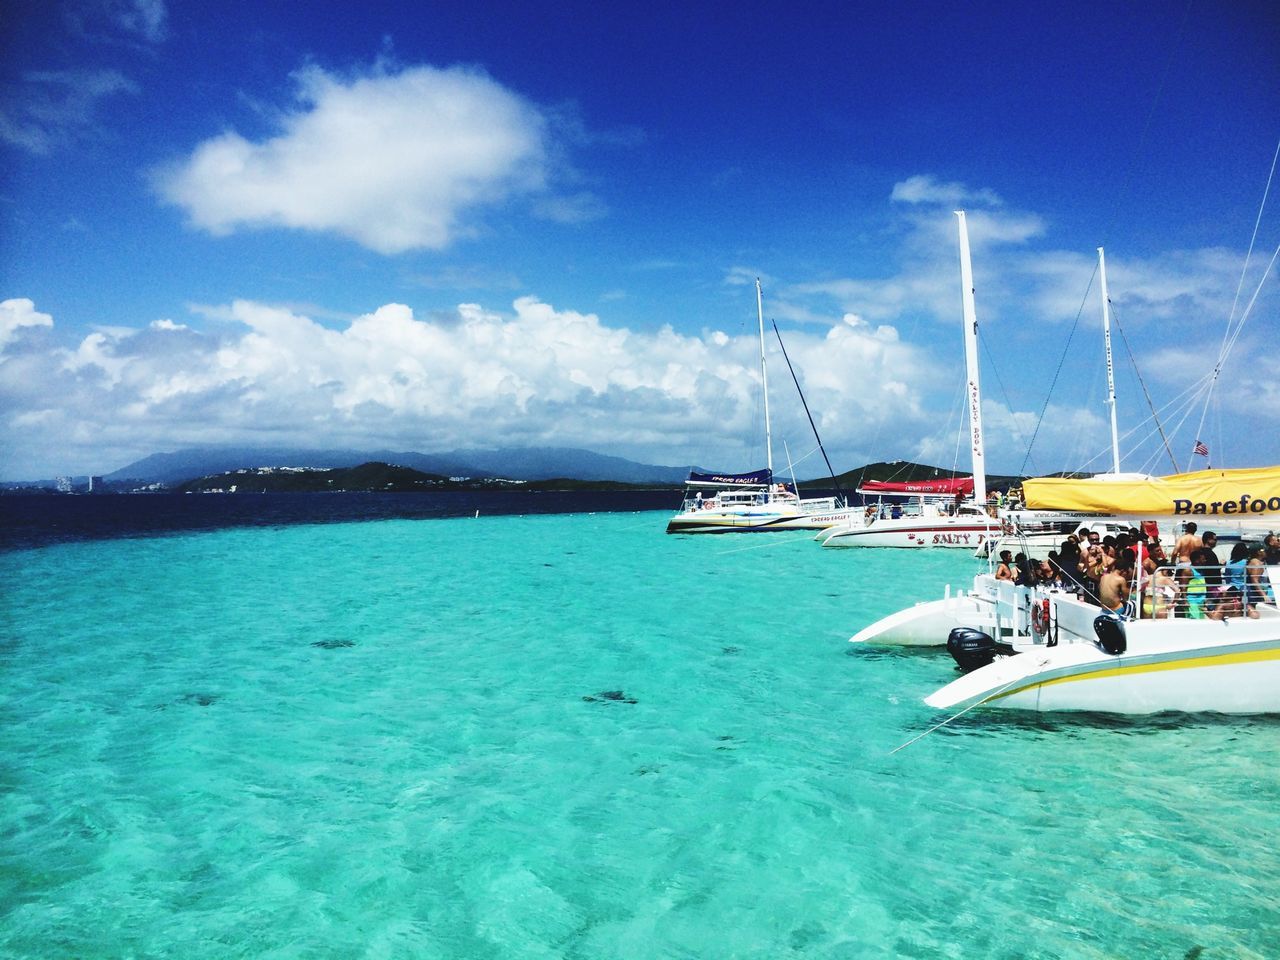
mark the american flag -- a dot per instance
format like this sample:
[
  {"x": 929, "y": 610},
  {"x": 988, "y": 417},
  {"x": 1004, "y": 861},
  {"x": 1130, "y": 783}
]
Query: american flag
[{"x": 1201, "y": 449}]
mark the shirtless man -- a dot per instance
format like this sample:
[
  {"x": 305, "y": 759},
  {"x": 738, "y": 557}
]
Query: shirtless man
[
  {"x": 1003, "y": 570},
  {"x": 1188, "y": 542},
  {"x": 1113, "y": 588}
]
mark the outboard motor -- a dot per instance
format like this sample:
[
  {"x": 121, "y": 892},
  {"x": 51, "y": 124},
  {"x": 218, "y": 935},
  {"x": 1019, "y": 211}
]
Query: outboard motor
[
  {"x": 971, "y": 648},
  {"x": 1110, "y": 631}
]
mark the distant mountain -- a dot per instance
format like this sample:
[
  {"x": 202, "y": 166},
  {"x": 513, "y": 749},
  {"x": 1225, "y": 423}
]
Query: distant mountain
[
  {"x": 546, "y": 463},
  {"x": 539, "y": 463},
  {"x": 370, "y": 478},
  {"x": 366, "y": 476}
]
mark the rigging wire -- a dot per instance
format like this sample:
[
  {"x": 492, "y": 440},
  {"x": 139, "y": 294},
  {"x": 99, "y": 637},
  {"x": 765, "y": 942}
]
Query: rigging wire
[
  {"x": 796, "y": 380},
  {"x": 1022, "y": 470},
  {"x": 1191, "y": 395},
  {"x": 1188, "y": 398},
  {"x": 1142, "y": 383},
  {"x": 1253, "y": 300},
  {"x": 991, "y": 364},
  {"x": 1122, "y": 197},
  {"x": 1229, "y": 338}
]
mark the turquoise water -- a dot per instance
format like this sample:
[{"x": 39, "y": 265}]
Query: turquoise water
[{"x": 389, "y": 740}]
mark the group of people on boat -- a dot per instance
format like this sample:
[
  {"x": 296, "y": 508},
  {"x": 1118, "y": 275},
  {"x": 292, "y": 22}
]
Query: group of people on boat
[
  {"x": 1114, "y": 570},
  {"x": 999, "y": 500}
]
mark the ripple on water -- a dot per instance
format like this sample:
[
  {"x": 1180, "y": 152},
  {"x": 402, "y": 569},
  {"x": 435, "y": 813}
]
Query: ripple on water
[{"x": 572, "y": 736}]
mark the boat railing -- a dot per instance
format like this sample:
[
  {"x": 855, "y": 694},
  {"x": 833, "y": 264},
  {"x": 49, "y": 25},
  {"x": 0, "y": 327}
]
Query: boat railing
[
  {"x": 1183, "y": 591},
  {"x": 893, "y": 511},
  {"x": 822, "y": 505},
  {"x": 1018, "y": 612},
  {"x": 727, "y": 498}
]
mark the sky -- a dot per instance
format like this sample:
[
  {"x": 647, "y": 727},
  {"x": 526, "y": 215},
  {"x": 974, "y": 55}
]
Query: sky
[{"x": 455, "y": 225}]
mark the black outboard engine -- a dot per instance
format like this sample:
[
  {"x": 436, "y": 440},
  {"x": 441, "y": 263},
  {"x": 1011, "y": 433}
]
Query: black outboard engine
[
  {"x": 1110, "y": 632},
  {"x": 971, "y": 648}
]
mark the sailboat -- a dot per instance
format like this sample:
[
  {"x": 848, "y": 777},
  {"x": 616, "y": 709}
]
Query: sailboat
[
  {"x": 1049, "y": 649},
  {"x": 753, "y": 502},
  {"x": 1030, "y": 532},
  {"x": 1036, "y": 534},
  {"x": 940, "y": 516},
  {"x": 1192, "y": 637}
]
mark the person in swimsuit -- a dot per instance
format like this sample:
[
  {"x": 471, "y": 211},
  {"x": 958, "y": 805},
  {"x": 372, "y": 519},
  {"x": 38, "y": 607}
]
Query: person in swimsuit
[
  {"x": 1185, "y": 544},
  {"x": 1158, "y": 603},
  {"x": 1255, "y": 572},
  {"x": 1113, "y": 587},
  {"x": 1230, "y": 604},
  {"x": 1196, "y": 591}
]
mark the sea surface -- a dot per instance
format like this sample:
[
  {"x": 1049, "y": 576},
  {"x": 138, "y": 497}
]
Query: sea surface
[{"x": 565, "y": 734}]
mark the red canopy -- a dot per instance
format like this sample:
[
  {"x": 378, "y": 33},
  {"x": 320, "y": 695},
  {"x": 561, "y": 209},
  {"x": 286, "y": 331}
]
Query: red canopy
[{"x": 951, "y": 486}]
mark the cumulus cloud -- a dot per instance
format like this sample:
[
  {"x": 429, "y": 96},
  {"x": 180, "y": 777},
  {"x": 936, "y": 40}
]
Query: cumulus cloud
[
  {"x": 1019, "y": 280},
  {"x": 393, "y": 160},
  {"x": 16, "y": 314},
  {"x": 51, "y": 108},
  {"x": 533, "y": 375}
]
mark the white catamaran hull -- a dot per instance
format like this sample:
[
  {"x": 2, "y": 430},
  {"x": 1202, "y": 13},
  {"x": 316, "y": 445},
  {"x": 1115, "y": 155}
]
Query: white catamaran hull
[
  {"x": 706, "y": 521},
  {"x": 1230, "y": 666},
  {"x": 928, "y": 624},
  {"x": 913, "y": 532}
]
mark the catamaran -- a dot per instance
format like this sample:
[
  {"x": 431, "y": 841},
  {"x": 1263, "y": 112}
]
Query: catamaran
[
  {"x": 940, "y": 515},
  {"x": 1172, "y": 647},
  {"x": 1190, "y": 638},
  {"x": 753, "y": 502}
]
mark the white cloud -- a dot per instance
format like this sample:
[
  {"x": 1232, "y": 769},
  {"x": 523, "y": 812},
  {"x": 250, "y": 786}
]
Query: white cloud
[
  {"x": 535, "y": 375},
  {"x": 393, "y": 160},
  {"x": 879, "y": 357},
  {"x": 52, "y": 108},
  {"x": 925, "y": 189},
  {"x": 17, "y": 313}
]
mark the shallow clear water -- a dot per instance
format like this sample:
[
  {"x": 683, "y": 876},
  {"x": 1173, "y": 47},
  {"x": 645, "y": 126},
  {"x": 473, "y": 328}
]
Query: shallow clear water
[{"x": 388, "y": 739}]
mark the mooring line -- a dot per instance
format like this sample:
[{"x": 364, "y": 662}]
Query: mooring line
[
  {"x": 774, "y": 542},
  {"x": 957, "y": 716}
]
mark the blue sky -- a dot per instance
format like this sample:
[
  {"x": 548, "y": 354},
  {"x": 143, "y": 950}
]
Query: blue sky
[{"x": 455, "y": 225}]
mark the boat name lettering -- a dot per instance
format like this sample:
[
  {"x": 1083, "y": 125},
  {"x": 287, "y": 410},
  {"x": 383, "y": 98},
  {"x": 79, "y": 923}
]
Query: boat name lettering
[
  {"x": 951, "y": 538},
  {"x": 1245, "y": 504}
]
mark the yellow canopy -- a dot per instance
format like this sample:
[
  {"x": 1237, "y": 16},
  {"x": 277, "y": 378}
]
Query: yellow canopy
[{"x": 1206, "y": 493}]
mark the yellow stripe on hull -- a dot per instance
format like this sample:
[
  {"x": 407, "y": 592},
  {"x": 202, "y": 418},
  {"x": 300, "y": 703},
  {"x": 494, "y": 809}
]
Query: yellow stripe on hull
[{"x": 1213, "y": 660}]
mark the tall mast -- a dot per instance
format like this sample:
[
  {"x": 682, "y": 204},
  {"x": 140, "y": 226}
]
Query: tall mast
[
  {"x": 973, "y": 394},
  {"x": 764, "y": 380},
  {"x": 1111, "y": 376}
]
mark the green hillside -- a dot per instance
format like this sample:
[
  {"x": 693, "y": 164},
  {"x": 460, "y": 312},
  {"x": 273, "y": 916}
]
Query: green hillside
[{"x": 377, "y": 477}]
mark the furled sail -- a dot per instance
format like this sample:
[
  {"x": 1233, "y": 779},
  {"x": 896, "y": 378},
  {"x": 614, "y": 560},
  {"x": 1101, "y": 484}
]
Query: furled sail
[
  {"x": 1205, "y": 493},
  {"x": 757, "y": 478},
  {"x": 945, "y": 487}
]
